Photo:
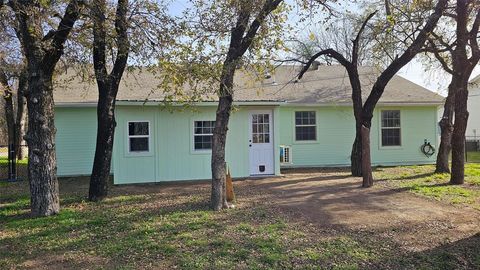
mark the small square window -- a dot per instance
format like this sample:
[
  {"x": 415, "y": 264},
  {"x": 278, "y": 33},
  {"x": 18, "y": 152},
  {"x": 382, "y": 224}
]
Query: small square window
[{"x": 138, "y": 137}]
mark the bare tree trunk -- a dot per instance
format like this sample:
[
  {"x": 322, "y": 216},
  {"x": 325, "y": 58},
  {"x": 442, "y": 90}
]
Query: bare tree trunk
[
  {"x": 458, "y": 136},
  {"x": 42, "y": 52},
  {"x": 20, "y": 115},
  {"x": 446, "y": 128},
  {"x": 104, "y": 147},
  {"x": 366, "y": 163},
  {"x": 42, "y": 169},
  {"x": 10, "y": 118},
  {"x": 218, "y": 198},
  {"x": 356, "y": 156},
  {"x": 240, "y": 41},
  {"x": 219, "y": 140},
  {"x": 107, "y": 92}
]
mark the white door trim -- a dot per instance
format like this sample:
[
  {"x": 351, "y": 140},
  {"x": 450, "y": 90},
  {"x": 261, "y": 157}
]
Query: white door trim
[{"x": 261, "y": 154}]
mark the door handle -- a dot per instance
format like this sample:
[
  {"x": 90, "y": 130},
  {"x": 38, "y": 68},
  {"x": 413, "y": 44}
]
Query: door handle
[{"x": 250, "y": 145}]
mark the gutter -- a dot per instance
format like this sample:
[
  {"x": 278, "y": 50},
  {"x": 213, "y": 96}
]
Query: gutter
[
  {"x": 160, "y": 103},
  {"x": 241, "y": 103}
]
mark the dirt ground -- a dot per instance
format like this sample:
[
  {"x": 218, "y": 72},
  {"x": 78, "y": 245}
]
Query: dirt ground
[
  {"x": 333, "y": 204},
  {"x": 331, "y": 198}
]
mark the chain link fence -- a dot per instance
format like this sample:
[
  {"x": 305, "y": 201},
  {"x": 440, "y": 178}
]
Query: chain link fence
[
  {"x": 472, "y": 149},
  {"x": 11, "y": 168}
]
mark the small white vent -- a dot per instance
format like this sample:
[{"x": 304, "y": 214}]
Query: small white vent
[{"x": 285, "y": 154}]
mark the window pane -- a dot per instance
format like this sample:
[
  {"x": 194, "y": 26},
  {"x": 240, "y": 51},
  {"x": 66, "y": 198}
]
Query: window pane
[
  {"x": 138, "y": 128},
  {"x": 305, "y": 126},
  {"x": 138, "y": 144},
  {"x": 305, "y": 133},
  {"x": 203, "y": 142},
  {"x": 391, "y": 118},
  {"x": 391, "y": 137},
  {"x": 305, "y": 118},
  {"x": 204, "y": 127}
]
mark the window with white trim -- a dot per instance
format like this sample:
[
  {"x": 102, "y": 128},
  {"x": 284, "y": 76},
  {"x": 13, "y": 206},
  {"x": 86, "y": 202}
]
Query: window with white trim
[
  {"x": 391, "y": 130},
  {"x": 305, "y": 126},
  {"x": 138, "y": 137},
  {"x": 203, "y": 135}
]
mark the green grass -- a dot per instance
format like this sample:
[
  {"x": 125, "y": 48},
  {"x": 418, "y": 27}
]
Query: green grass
[
  {"x": 125, "y": 231},
  {"x": 4, "y": 161},
  {"x": 422, "y": 180},
  {"x": 136, "y": 231},
  {"x": 473, "y": 157}
]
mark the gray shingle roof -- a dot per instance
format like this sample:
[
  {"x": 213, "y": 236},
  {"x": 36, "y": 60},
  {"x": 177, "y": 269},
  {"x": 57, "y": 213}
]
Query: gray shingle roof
[{"x": 327, "y": 85}]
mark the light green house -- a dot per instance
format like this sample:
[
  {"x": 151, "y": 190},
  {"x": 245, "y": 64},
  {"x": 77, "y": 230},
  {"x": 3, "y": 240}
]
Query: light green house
[{"x": 276, "y": 124}]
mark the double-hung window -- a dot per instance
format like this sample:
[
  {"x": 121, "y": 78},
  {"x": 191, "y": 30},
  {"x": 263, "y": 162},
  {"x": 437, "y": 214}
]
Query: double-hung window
[
  {"x": 138, "y": 136},
  {"x": 203, "y": 135},
  {"x": 391, "y": 130},
  {"x": 305, "y": 126}
]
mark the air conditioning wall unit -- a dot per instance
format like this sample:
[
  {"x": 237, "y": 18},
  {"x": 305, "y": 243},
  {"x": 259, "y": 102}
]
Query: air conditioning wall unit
[{"x": 285, "y": 154}]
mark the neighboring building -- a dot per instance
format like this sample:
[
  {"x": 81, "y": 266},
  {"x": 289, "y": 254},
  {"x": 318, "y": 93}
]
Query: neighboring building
[
  {"x": 276, "y": 124},
  {"x": 473, "y": 127}
]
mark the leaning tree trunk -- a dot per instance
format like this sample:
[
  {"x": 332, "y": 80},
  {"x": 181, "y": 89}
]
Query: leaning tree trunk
[
  {"x": 446, "y": 129},
  {"x": 42, "y": 169},
  {"x": 458, "y": 136},
  {"x": 366, "y": 163},
  {"x": 219, "y": 199},
  {"x": 20, "y": 116},
  {"x": 104, "y": 147}
]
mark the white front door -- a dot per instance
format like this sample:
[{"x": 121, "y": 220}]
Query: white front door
[{"x": 261, "y": 143}]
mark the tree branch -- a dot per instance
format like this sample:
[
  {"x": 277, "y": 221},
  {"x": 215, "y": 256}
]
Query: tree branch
[
  {"x": 440, "y": 59},
  {"x": 268, "y": 7},
  {"x": 328, "y": 52},
  {"x": 359, "y": 35},
  {"x": 473, "y": 38},
  {"x": 59, "y": 37},
  {"x": 399, "y": 62},
  {"x": 121, "y": 27},
  {"x": 99, "y": 40}
]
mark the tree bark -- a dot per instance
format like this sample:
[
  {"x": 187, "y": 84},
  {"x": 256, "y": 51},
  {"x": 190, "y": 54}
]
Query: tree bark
[
  {"x": 218, "y": 198},
  {"x": 366, "y": 163},
  {"x": 20, "y": 115},
  {"x": 103, "y": 151},
  {"x": 356, "y": 155},
  {"x": 42, "y": 169},
  {"x": 458, "y": 136},
  {"x": 42, "y": 52},
  {"x": 219, "y": 140},
  {"x": 240, "y": 41},
  {"x": 10, "y": 119},
  {"x": 462, "y": 69},
  {"x": 446, "y": 129},
  {"x": 108, "y": 85}
]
